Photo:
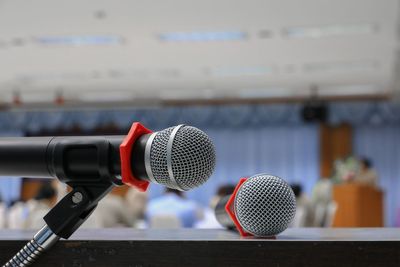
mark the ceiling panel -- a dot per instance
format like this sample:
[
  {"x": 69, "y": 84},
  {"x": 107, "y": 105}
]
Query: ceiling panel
[{"x": 193, "y": 49}]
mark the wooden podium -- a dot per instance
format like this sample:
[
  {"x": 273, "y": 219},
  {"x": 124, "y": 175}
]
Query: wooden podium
[{"x": 358, "y": 205}]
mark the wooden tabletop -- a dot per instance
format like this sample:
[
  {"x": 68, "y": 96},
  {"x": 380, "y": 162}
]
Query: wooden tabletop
[
  {"x": 291, "y": 234},
  {"x": 195, "y": 247}
]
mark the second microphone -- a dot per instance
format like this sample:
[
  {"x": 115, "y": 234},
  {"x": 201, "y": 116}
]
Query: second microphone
[{"x": 263, "y": 205}]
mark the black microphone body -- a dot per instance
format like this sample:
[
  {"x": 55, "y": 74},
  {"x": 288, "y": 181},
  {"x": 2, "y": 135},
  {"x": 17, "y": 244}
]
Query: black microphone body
[
  {"x": 221, "y": 215},
  {"x": 69, "y": 157}
]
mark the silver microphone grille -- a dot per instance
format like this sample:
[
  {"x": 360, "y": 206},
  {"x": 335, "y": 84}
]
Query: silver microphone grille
[
  {"x": 180, "y": 157},
  {"x": 265, "y": 205}
]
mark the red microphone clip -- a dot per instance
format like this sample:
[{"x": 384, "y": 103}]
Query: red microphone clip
[
  {"x": 125, "y": 150},
  {"x": 230, "y": 209}
]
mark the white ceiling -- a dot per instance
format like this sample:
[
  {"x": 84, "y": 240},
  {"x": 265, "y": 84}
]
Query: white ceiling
[{"x": 271, "y": 48}]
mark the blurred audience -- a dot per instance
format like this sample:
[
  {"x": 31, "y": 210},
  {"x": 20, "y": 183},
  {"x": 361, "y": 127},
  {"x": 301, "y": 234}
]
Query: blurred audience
[
  {"x": 173, "y": 210},
  {"x": 2, "y": 214},
  {"x": 29, "y": 215},
  {"x": 304, "y": 213},
  {"x": 118, "y": 210},
  {"x": 110, "y": 212},
  {"x": 44, "y": 200},
  {"x": 209, "y": 220},
  {"x": 320, "y": 211},
  {"x": 136, "y": 204},
  {"x": 322, "y": 202},
  {"x": 354, "y": 169},
  {"x": 127, "y": 207},
  {"x": 17, "y": 214}
]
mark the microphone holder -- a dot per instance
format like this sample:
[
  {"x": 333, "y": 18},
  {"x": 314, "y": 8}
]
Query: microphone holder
[
  {"x": 63, "y": 220},
  {"x": 75, "y": 207}
]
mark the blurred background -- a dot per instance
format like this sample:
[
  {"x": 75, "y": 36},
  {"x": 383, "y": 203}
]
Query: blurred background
[{"x": 306, "y": 90}]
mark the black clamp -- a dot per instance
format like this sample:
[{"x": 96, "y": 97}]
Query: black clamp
[{"x": 89, "y": 184}]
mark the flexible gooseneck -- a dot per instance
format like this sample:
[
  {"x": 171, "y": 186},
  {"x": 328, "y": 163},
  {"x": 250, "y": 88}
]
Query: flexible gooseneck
[{"x": 43, "y": 240}]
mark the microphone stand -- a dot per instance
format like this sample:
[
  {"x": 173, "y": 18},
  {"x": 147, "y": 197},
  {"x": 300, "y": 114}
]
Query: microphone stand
[
  {"x": 73, "y": 209},
  {"x": 88, "y": 188},
  {"x": 62, "y": 220},
  {"x": 43, "y": 240}
]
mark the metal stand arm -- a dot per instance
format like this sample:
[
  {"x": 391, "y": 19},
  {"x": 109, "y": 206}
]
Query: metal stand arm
[
  {"x": 61, "y": 222},
  {"x": 43, "y": 240}
]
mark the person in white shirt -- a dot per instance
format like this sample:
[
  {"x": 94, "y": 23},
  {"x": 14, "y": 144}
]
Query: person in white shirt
[
  {"x": 3, "y": 218},
  {"x": 44, "y": 200},
  {"x": 321, "y": 201},
  {"x": 173, "y": 205},
  {"x": 305, "y": 214},
  {"x": 118, "y": 210}
]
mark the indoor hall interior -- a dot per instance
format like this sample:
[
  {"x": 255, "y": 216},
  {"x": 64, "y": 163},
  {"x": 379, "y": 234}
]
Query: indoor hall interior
[{"x": 306, "y": 90}]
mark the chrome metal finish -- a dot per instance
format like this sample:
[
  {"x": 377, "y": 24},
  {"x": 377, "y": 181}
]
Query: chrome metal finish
[
  {"x": 169, "y": 156},
  {"x": 43, "y": 240},
  {"x": 45, "y": 237},
  {"x": 147, "y": 158},
  {"x": 77, "y": 197}
]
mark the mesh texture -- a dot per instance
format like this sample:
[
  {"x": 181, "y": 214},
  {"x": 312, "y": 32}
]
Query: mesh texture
[
  {"x": 158, "y": 157},
  {"x": 265, "y": 205},
  {"x": 192, "y": 157}
]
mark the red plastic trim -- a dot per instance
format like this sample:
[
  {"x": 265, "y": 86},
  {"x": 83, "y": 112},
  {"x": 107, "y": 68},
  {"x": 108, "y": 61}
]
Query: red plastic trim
[
  {"x": 230, "y": 210},
  {"x": 125, "y": 150}
]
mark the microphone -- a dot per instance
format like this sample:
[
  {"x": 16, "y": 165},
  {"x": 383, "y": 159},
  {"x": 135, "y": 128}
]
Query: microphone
[
  {"x": 262, "y": 205},
  {"x": 180, "y": 157}
]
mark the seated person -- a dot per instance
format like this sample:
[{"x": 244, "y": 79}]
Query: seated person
[
  {"x": 209, "y": 220},
  {"x": 304, "y": 214},
  {"x": 175, "y": 208},
  {"x": 44, "y": 200},
  {"x": 2, "y": 214},
  {"x": 366, "y": 174}
]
